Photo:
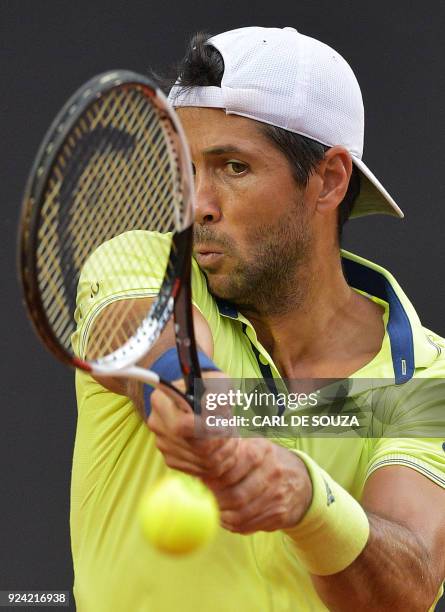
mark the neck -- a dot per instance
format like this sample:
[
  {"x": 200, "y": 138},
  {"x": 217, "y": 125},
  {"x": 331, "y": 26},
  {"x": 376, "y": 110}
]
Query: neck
[{"x": 329, "y": 329}]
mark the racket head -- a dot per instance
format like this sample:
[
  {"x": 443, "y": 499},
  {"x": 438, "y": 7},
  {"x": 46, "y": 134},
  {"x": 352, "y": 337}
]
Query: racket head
[{"x": 113, "y": 164}]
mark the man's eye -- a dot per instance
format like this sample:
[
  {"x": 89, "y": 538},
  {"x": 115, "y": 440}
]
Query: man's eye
[{"x": 235, "y": 167}]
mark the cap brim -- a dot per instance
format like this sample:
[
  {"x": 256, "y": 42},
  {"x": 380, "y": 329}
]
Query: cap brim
[{"x": 373, "y": 198}]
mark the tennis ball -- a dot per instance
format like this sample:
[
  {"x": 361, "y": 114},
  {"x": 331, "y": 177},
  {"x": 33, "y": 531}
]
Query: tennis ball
[{"x": 179, "y": 515}]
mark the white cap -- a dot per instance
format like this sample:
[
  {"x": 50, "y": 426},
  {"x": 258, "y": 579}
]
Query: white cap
[{"x": 281, "y": 77}]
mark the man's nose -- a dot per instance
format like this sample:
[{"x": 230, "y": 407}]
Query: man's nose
[{"x": 207, "y": 209}]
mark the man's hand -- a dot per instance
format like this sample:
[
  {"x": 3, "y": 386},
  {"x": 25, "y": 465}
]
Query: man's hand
[
  {"x": 267, "y": 489},
  {"x": 258, "y": 485},
  {"x": 178, "y": 438}
]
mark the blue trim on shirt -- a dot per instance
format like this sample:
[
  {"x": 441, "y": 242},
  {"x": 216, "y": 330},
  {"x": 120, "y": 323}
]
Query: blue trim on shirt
[
  {"x": 399, "y": 327},
  {"x": 227, "y": 308}
]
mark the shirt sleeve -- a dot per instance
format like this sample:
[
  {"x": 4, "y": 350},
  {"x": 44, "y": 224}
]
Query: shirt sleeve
[
  {"x": 129, "y": 266},
  {"x": 410, "y": 422}
]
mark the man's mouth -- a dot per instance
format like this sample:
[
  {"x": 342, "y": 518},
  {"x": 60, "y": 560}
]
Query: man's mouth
[{"x": 206, "y": 255}]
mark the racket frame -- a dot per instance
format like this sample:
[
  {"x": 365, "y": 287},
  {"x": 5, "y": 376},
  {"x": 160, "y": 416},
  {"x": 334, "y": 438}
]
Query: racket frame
[{"x": 174, "y": 297}]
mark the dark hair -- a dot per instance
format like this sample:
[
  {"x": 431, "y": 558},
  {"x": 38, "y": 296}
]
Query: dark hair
[{"x": 203, "y": 65}]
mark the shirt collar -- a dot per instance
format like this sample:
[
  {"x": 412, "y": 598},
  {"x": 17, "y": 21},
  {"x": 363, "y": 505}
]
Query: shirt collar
[{"x": 410, "y": 347}]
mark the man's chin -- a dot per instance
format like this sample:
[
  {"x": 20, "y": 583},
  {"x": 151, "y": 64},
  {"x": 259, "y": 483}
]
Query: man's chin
[{"x": 219, "y": 285}]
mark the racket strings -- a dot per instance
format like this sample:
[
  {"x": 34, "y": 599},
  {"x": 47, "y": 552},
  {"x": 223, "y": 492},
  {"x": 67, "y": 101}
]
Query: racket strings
[
  {"x": 115, "y": 173},
  {"x": 115, "y": 166},
  {"x": 126, "y": 312}
]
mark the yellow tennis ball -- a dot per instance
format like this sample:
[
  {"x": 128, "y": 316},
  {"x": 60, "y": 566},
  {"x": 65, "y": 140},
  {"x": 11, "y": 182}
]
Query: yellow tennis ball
[{"x": 179, "y": 515}]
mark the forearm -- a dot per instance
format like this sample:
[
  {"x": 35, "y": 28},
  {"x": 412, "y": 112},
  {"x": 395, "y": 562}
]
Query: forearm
[{"x": 393, "y": 572}]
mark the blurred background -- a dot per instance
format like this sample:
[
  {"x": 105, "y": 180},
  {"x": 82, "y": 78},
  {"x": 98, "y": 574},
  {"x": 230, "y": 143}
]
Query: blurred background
[{"x": 48, "y": 49}]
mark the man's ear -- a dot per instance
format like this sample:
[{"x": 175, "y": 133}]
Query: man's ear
[{"x": 335, "y": 171}]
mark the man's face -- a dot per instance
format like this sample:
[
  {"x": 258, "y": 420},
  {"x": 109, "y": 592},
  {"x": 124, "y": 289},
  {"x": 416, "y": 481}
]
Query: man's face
[{"x": 252, "y": 230}]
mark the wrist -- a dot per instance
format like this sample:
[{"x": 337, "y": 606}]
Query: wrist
[
  {"x": 334, "y": 529},
  {"x": 304, "y": 493}
]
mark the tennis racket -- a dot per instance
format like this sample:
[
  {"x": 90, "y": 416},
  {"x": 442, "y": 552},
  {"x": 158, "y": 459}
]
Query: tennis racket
[{"x": 106, "y": 231}]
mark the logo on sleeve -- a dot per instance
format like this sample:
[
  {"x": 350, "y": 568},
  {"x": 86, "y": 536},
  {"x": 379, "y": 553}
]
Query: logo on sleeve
[
  {"x": 94, "y": 289},
  {"x": 330, "y": 499}
]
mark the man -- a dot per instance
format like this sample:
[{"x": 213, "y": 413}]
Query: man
[{"x": 274, "y": 120}]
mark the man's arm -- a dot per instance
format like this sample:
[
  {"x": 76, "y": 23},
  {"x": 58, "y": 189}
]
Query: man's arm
[
  {"x": 266, "y": 487},
  {"x": 403, "y": 563}
]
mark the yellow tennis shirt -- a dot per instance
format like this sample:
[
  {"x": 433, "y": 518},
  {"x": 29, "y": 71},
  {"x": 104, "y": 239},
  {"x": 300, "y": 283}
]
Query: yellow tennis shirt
[{"x": 116, "y": 460}]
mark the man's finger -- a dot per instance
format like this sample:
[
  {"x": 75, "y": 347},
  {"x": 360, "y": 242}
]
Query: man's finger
[{"x": 168, "y": 413}]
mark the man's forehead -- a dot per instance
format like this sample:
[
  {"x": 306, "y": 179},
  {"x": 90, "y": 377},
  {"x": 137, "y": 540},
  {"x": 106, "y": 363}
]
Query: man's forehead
[
  {"x": 201, "y": 113},
  {"x": 212, "y": 131}
]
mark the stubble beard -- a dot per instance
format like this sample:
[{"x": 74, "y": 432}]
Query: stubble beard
[{"x": 274, "y": 278}]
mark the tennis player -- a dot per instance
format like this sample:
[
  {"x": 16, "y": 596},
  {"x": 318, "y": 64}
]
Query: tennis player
[{"x": 275, "y": 124}]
